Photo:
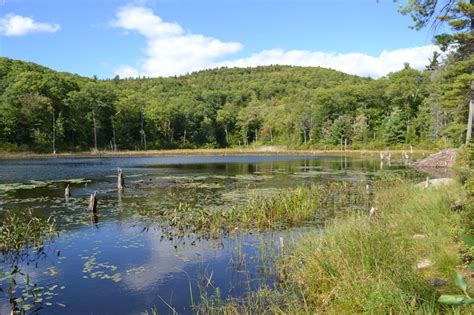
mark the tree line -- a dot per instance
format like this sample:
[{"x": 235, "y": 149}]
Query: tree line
[{"x": 44, "y": 110}]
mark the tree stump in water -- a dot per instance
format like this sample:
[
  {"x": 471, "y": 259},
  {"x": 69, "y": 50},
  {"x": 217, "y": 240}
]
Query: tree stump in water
[
  {"x": 67, "y": 193},
  {"x": 92, "y": 203},
  {"x": 95, "y": 220},
  {"x": 120, "y": 181}
]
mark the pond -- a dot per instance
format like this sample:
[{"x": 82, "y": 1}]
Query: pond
[{"x": 125, "y": 262}]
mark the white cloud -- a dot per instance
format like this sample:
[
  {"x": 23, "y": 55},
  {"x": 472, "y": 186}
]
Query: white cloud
[
  {"x": 125, "y": 71},
  {"x": 171, "y": 51},
  {"x": 355, "y": 63},
  {"x": 17, "y": 25}
]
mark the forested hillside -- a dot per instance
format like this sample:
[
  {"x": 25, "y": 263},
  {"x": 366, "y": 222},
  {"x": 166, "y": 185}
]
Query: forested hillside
[{"x": 44, "y": 110}]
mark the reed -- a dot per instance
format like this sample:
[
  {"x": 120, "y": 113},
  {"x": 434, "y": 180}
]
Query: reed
[
  {"x": 303, "y": 205},
  {"x": 23, "y": 231}
]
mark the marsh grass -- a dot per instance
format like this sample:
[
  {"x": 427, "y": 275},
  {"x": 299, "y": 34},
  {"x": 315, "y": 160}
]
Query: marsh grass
[
  {"x": 22, "y": 237},
  {"x": 362, "y": 265},
  {"x": 22, "y": 231},
  {"x": 304, "y": 205}
]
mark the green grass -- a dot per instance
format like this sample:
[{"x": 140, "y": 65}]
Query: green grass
[{"x": 363, "y": 265}]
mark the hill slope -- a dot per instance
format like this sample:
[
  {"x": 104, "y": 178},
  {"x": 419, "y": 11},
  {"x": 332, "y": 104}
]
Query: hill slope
[{"x": 42, "y": 109}]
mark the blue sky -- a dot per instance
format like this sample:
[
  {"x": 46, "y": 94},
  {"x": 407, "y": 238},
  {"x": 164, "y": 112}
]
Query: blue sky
[{"x": 172, "y": 37}]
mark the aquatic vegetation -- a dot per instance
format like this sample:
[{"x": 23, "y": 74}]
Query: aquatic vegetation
[
  {"x": 17, "y": 186},
  {"x": 270, "y": 209},
  {"x": 95, "y": 269},
  {"x": 23, "y": 231},
  {"x": 242, "y": 195},
  {"x": 32, "y": 297},
  {"x": 202, "y": 185},
  {"x": 33, "y": 184},
  {"x": 23, "y": 235},
  {"x": 136, "y": 270}
]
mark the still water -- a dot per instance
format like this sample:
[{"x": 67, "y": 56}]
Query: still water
[{"x": 123, "y": 262}]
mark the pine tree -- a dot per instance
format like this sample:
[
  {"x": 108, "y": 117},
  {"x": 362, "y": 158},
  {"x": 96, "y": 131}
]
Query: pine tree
[
  {"x": 459, "y": 15},
  {"x": 395, "y": 127}
]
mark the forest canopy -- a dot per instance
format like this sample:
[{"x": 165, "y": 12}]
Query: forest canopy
[{"x": 44, "y": 110}]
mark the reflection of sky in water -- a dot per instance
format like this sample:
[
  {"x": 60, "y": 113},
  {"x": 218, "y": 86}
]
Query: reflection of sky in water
[{"x": 152, "y": 268}]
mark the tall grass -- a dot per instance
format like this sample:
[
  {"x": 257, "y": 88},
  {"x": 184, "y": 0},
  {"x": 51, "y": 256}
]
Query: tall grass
[
  {"x": 363, "y": 265},
  {"x": 22, "y": 231},
  {"x": 287, "y": 208}
]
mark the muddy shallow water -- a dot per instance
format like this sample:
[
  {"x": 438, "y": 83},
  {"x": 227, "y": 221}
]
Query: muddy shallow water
[{"x": 123, "y": 262}]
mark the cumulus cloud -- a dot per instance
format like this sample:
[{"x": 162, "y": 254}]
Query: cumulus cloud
[
  {"x": 125, "y": 71},
  {"x": 355, "y": 63},
  {"x": 170, "y": 50},
  {"x": 17, "y": 25}
]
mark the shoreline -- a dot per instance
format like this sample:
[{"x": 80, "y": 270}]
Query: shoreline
[{"x": 190, "y": 152}]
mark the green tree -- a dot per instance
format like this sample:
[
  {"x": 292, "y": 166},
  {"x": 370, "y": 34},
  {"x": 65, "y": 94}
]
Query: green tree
[
  {"x": 395, "y": 127},
  {"x": 226, "y": 117},
  {"x": 93, "y": 106},
  {"x": 459, "y": 15},
  {"x": 341, "y": 130},
  {"x": 360, "y": 128}
]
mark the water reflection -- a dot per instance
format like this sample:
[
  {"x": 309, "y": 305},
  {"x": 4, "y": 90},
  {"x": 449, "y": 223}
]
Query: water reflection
[{"x": 124, "y": 264}]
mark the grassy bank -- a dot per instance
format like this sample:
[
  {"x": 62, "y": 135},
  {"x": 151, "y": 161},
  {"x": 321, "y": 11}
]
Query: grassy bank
[
  {"x": 398, "y": 262},
  {"x": 229, "y": 151}
]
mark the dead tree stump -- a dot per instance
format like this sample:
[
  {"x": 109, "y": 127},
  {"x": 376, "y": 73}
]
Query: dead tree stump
[
  {"x": 120, "y": 181},
  {"x": 95, "y": 220},
  {"x": 67, "y": 192},
  {"x": 92, "y": 203}
]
